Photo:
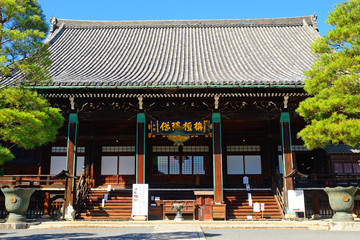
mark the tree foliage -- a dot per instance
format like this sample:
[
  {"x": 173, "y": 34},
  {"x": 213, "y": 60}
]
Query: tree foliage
[
  {"x": 333, "y": 111},
  {"x": 22, "y": 31},
  {"x": 26, "y": 119}
]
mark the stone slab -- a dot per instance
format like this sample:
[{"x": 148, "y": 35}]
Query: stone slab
[
  {"x": 14, "y": 225},
  {"x": 344, "y": 226},
  {"x": 18, "y": 225},
  {"x": 173, "y": 231}
]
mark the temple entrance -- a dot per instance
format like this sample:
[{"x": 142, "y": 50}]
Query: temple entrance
[{"x": 188, "y": 166}]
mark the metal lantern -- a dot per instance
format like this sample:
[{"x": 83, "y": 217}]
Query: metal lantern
[{"x": 178, "y": 136}]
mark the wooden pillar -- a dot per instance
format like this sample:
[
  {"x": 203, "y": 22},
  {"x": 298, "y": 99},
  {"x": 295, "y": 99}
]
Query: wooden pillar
[
  {"x": 140, "y": 148},
  {"x": 46, "y": 205},
  {"x": 217, "y": 158},
  {"x": 287, "y": 155},
  {"x": 71, "y": 158},
  {"x": 315, "y": 203},
  {"x": 88, "y": 158}
]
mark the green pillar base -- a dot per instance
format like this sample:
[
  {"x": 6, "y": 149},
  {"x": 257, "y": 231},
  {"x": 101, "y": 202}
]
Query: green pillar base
[
  {"x": 343, "y": 217},
  {"x": 15, "y": 218}
]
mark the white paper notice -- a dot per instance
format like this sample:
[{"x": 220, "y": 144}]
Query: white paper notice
[
  {"x": 262, "y": 207},
  {"x": 256, "y": 207},
  {"x": 249, "y": 199}
]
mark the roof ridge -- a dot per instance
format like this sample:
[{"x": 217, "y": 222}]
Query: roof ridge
[{"x": 288, "y": 21}]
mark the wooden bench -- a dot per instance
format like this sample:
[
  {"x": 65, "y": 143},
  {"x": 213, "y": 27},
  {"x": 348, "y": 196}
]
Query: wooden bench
[{"x": 189, "y": 207}]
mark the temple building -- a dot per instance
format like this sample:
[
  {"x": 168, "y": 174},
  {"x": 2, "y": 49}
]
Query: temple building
[{"x": 203, "y": 111}]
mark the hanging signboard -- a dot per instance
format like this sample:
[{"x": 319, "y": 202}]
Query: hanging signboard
[
  {"x": 191, "y": 127},
  {"x": 245, "y": 180},
  {"x": 140, "y": 199},
  {"x": 296, "y": 200}
]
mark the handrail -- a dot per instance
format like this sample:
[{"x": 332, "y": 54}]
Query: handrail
[
  {"x": 33, "y": 180},
  {"x": 328, "y": 180},
  {"x": 81, "y": 192},
  {"x": 28, "y": 175},
  {"x": 279, "y": 197}
]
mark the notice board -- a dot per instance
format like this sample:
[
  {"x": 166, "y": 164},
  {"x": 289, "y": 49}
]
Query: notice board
[{"x": 296, "y": 200}]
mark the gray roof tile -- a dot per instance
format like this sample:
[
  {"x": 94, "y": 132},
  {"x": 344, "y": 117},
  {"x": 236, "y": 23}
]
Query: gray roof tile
[
  {"x": 341, "y": 149},
  {"x": 187, "y": 52}
]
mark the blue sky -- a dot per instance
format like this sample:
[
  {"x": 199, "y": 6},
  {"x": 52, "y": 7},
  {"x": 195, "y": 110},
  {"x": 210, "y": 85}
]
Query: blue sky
[{"x": 187, "y": 9}]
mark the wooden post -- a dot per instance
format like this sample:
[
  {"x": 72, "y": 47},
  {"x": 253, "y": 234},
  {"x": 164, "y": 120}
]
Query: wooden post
[
  {"x": 71, "y": 158},
  {"x": 88, "y": 158},
  {"x": 46, "y": 205},
  {"x": 217, "y": 158},
  {"x": 315, "y": 204},
  {"x": 140, "y": 148},
  {"x": 286, "y": 154}
]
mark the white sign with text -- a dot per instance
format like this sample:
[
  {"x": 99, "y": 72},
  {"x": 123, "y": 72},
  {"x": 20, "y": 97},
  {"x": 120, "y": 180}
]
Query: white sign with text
[
  {"x": 256, "y": 207},
  {"x": 140, "y": 199},
  {"x": 296, "y": 200}
]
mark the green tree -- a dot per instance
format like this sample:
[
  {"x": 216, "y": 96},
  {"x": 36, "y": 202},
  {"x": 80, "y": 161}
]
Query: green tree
[
  {"x": 26, "y": 119},
  {"x": 333, "y": 110},
  {"x": 22, "y": 31}
]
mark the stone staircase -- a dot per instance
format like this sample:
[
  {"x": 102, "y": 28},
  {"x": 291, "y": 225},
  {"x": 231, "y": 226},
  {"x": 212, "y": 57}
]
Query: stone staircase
[
  {"x": 237, "y": 205},
  {"x": 117, "y": 207}
]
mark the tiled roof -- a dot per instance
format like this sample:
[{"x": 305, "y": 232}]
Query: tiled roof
[
  {"x": 184, "y": 52},
  {"x": 341, "y": 149}
]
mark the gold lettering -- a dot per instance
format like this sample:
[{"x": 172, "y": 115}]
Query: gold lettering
[
  {"x": 174, "y": 125},
  {"x": 165, "y": 126},
  {"x": 198, "y": 126},
  {"x": 187, "y": 126}
]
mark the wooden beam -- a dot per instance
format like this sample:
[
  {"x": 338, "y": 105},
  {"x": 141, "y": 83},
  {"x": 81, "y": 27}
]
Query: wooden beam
[
  {"x": 106, "y": 115},
  {"x": 287, "y": 155},
  {"x": 140, "y": 148},
  {"x": 71, "y": 158},
  {"x": 217, "y": 158}
]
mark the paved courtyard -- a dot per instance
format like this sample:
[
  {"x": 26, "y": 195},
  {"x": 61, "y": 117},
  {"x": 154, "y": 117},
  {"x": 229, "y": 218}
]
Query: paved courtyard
[
  {"x": 166, "y": 232},
  {"x": 160, "y": 232},
  {"x": 275, "y": 234},
  {"x": 77, "y": 233}
]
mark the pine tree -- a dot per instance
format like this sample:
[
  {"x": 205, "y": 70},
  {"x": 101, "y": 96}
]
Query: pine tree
[
  {"x": 333, "y": 110},
  {"x": 26, "y": 119}
]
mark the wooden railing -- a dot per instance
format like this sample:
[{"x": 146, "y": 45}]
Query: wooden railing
[
  {"x": 36, "y": 207},
  {"x": 31, "y": 181},
  {"x": 327, "y": 180},
  {"x": 81, "y": 192},
  {"x": 325, "y": 210},
  {"x": 279, "y": 197}
]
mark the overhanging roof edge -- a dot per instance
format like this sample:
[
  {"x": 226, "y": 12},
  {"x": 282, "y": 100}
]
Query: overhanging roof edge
[{"x": 165, "y": 87}]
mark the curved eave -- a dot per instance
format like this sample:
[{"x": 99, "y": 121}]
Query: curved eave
[{"x": 165, "y": 87}]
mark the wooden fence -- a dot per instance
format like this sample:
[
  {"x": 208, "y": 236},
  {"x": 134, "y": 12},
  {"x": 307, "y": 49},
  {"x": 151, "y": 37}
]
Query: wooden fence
[{"x": 36, "y": 206}]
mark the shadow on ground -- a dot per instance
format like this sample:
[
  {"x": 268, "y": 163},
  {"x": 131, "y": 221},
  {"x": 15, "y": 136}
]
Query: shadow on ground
[{"x": 83, "y": 236}]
